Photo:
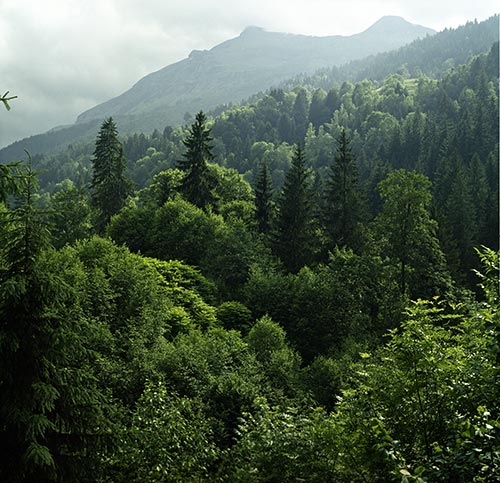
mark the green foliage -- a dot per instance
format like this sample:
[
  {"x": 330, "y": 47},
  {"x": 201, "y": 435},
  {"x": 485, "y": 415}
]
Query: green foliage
[
  {"x": 409, "y": 232},
  {"x": 280, "y": 363},
  {"x": 235, "y": 315},
  {"x": 169, "y": 439},
  {"x": 490, "y": 279},
  {"x": 117, "y": 366},
  {"x": 414, "y": 401},
  {"x": 8, "y": 184},
  {"x": 229, "y": 258},
  {"x": 319, "y": 308},
  {"x": 263, "y": 198},
  {"x": 70, "y": 215},
  {"x": 51, "y": 409},
  {"x": 218, "y": 369},
  {"x": 164, "y": 187},
  {"x": 229, "y": 185},
  {"x": 284, "y": 444}
]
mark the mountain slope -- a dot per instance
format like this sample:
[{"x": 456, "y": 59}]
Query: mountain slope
[
  {"x": 238, "y": 68},
  {"x": 432, "y": 56}
]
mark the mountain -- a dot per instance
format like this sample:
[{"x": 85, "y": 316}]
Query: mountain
[
  {"x": 229, "y": 72},
  {"x": 240, "y": 67},
  {"x": 432, "y": 56}
]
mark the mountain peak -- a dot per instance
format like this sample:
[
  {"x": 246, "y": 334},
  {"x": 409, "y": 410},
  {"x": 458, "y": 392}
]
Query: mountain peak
[
  {"x": 390, "y": 23},
  {"x": 251, "y": 30},
  {"x": 238, "y": 68}
]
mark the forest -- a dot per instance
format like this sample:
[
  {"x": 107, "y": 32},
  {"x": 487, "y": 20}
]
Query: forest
[{"x": 303, "y": 287}]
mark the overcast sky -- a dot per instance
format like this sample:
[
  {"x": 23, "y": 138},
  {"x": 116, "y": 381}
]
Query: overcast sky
[{"x": 62, "y": 57}]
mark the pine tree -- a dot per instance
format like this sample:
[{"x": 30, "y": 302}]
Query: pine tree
[
  {"x": 197, "y": 184},
  {"x": 263, "y": 198},
  {"x": 343, "y": 203},
  {"x": 110, "y": 187},
  {"x": 293, "y": 242}
]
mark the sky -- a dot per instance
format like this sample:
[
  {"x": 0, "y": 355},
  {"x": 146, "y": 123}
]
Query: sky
[{"x": 62, "y": 57}]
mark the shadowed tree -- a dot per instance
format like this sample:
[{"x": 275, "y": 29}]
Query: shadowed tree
[
  {"x": 294, "y": 228},
  {"x": 263, "y": 198},
  {"x": 110, "y": 187},
  {"x": 343, "y": 204},
  {"x": 49, "y": 404},
  {"x": 197, "y": 185}
]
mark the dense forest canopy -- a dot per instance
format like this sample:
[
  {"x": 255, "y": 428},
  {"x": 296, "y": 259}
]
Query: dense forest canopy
[{"x": 303, "y": 287}]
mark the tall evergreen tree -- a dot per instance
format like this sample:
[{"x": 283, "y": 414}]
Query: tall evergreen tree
[
  {"x": 343, "y": 202},
  {"x": 301, "y": 115},
  {"x": 293, "y": 243},
  {"x": 263, "y": 198},
  {"x": 49, "y": 404},
  {"x": 197, "y": 184},
  {"x": 110, "y": 187}
]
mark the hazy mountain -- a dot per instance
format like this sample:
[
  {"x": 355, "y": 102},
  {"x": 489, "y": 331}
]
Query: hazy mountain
[
  {"x": 432, "y": 56},
  {"x": 240, "y": 67},
  {"x": 229, "y": 72}
]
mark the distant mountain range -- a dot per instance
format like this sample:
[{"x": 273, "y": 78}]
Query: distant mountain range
[{"x": 230, "y": 72}]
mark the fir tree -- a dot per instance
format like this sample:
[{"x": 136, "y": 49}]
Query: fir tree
[
  {"x": 263, "y": 198},
  {"x": 197, "y": 184},
  {"x": 294, "y": 233},
  {"x": 343, "y": 203},
  {"x": 110, "y": 187}
]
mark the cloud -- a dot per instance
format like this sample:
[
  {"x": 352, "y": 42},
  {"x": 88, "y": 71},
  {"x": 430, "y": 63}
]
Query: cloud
[{"x": 62, "y": 57}]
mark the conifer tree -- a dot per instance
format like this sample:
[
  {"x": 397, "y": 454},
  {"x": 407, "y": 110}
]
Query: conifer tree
[
  {"x": 293, "y": 243},
  {"x": 8, "y": 183},
  {"x": 263, "y": 198},
  {"x": 197, "y": 184},
  {"x": 343, "y": 203},
  {"x": 110, "y": 187},
  {"x": 21, "y": 338},
  {"x": 50, "y": 408},
  {"x": 301, "y": 114}
]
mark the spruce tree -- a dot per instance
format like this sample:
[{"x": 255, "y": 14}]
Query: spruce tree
[
  {"x": 263, "y": 198},
  {"x": 293, "y": 241},
  {"x": 110, "y": 187},
  {"x": 197, "y": 184},
  {"x": 343, "y": 203}
]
